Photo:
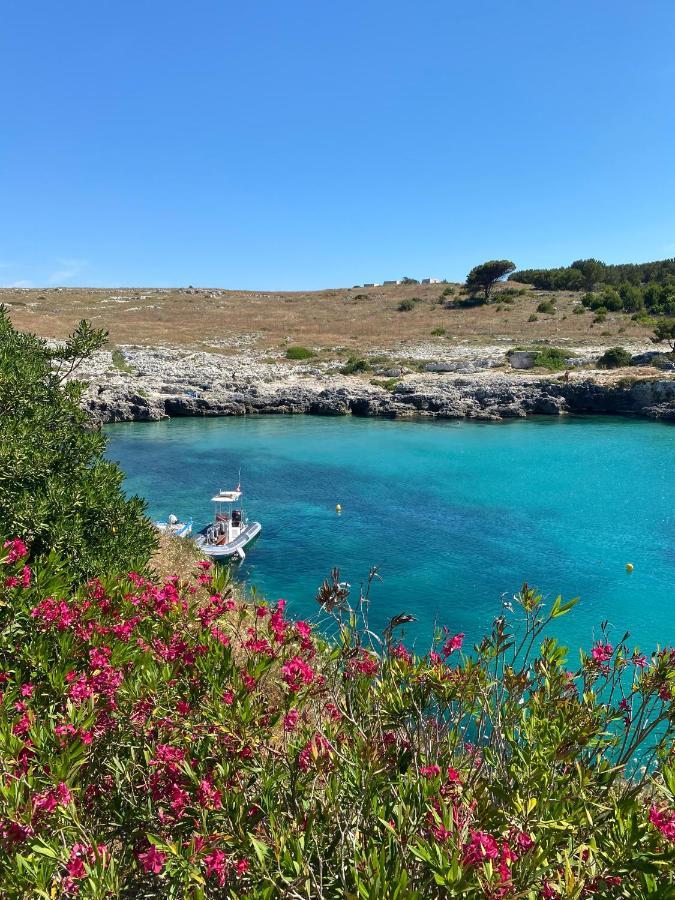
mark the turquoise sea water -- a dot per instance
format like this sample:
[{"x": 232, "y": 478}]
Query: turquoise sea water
[{"x": 454, "y": 514}]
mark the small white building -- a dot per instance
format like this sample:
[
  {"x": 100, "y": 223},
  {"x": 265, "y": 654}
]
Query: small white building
[{"x": 431, "y": 281}]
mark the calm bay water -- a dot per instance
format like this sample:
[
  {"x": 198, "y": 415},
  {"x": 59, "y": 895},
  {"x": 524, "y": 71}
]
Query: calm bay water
[{"x": 454, "y": 514}]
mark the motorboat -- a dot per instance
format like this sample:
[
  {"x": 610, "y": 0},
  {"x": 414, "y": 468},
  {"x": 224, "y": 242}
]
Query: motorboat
[
  {"x": 174, "y": 526},
  {"x": 230, "y": 531}
]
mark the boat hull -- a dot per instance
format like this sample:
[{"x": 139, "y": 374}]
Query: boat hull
[
  {"x": 232, "y": 550},
  {"x": 178, "y": 529}
]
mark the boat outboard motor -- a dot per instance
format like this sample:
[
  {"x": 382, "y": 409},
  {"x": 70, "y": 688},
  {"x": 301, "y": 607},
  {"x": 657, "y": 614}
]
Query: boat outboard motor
[
  {"x": 236, "y": 517},
  {"x": 173, "y": 520}
]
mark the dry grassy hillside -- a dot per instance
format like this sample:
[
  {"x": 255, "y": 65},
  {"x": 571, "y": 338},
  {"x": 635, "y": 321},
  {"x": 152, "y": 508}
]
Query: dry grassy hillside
[{"x": 357, "y": 318}]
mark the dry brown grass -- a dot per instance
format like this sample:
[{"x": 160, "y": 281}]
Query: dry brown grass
[
  {"x": 355, "y": 319},
  {"x": 175, "y": 556}
]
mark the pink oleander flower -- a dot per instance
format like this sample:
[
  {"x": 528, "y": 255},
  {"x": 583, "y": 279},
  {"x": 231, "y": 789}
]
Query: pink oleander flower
[
  {"x": 291, "y": 720},
  {"x": 228, "y": 698},
  {"x": 208, "y": 795},
  {"x": 26, "y": 575},
  {"x": 17, "y": 550},
  {"x": 664, "y": 821},
  {"x": 454, "y": 642},
  {"x": 601, "y": 653},
  {"x": 316, "y": 750},
  {"x": 333, "y": 712},
  {"x": 480, "y": 848},
  {"x": 152, "y": 860},
  {"x": 430, "y": 771},
  {"x": 304, "y": 629},
  {"x": 249, "y": 681},
  {"x": 27, "y": 690},
  {"x": 215, "y": 863},
  {"x": 402, "y": 654},
  {"x": 366, "y": 664},
  {"x": 297, "y": 672}
]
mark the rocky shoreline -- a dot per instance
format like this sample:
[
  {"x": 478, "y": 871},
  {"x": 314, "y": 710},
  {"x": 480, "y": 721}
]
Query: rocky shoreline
[{"x": 150, "y": 385}]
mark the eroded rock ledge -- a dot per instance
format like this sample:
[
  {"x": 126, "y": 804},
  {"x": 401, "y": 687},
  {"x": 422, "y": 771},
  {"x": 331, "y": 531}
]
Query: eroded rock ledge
[{"x": 165, "y": 383}]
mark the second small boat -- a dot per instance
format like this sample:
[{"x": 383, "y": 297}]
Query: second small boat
[{"x": 230, "y": 530}]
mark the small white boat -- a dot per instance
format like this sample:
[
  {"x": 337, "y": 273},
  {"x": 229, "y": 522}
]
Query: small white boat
[
  {"x": 173, "y": 526},
  {"x": 230, "y": 530}
]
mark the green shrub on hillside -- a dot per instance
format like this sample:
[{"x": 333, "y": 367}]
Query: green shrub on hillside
[
  {"x": 120, "y": 362},
  {"x": 547, "y": 307},
  {"x": 158, "y": 742},
  {"x": 406, "y": 305},
  {"x": 56, "y": 488},
  {"x": 614, "y": 358},
  {"x": 552, "y": 358},
  {"x": 354, "y": 365},
  {"x": 299, "y": 353}
]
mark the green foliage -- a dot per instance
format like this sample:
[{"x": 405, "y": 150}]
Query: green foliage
[
  {"x": 552, "y": 358},
  {"x": 408, "y": 304},
  {"x": 119, "y": 361},
  {"x": 354, "y": 365},
  {"x": 532, "y": 318},
  {"x": 157, "y": 742},
  {"x": 56, "y": 488},
  {"x": 299, "y": 353},
  {"x": 487, "y": 274},
  {"x": 579, "y": 310},
  {"x": 387, "y": 383},
  {"x": 665, "y": 331},
  {"x": 614, "y": 358},
  {"x": 438, "y": 332},
  {"x": 627, "y": 288},
  {"x": 547, "y": 307}
]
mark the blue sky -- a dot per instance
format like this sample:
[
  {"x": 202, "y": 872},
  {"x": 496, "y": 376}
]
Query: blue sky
[{"x": 298, "y": 144}]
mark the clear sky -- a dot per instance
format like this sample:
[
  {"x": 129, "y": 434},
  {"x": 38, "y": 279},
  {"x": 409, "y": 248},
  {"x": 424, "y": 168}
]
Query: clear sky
[{"x": 288, "y": 144}]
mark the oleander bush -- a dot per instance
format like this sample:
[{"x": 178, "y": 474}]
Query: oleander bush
[{"x": 166, "y": 739}]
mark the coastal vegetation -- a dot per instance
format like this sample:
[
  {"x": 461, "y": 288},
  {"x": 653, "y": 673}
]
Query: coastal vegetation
[
  {"x": 627, "y": 288},
  {"x": 552, "y": 358},
  {"x": 299, "y": 353},
  {"x": 614, "y": 358},
  {"x": 485, "y": 276},
  {"x": 267, "y": 324},
  {"x": 665, "y": 331},
  {"x": 354, "y": 365},
  {"x": 56, "y": 488},
  {"x": 163, "y": 735}
]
